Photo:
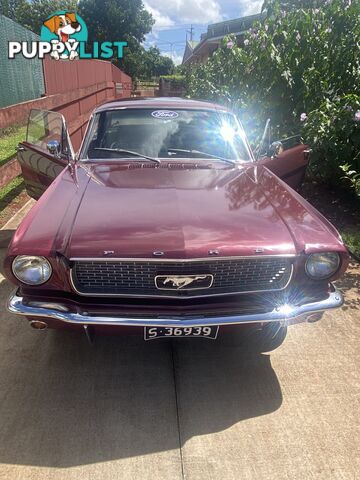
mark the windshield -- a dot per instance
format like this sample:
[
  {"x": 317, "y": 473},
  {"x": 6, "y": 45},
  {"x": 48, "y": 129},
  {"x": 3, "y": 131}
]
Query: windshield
[{"x": 166, "y": 134}]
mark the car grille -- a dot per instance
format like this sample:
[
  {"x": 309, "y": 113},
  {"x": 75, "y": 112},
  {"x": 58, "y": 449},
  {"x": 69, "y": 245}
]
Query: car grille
[{"x": 127, "y": 278}]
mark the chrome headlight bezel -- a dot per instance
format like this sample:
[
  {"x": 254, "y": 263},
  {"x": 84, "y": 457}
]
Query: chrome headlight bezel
[
  {"x": 329, "y": 262},
  {"x": 35, "y": 266}
]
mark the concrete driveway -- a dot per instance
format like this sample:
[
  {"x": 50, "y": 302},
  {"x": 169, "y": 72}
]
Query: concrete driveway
[{"x": 126, "y": 409}]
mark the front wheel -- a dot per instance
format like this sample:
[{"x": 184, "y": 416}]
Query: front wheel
[
  {"x": 270, "y": 337},
  {"x": 263, "y": 339}
]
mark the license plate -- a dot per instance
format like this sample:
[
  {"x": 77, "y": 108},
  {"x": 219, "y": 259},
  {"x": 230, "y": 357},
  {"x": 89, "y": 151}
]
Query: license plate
[{"x": 151, "y": 333}]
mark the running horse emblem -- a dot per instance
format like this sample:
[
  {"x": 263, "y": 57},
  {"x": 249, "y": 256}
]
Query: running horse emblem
[{"x": 183, "y": 281}]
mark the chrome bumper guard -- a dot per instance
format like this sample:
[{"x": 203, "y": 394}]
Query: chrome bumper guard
[{"x": 61, "y": 312}]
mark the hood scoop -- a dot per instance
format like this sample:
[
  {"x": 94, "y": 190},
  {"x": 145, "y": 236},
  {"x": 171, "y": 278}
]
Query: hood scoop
[{"x": 169, "y": 165}]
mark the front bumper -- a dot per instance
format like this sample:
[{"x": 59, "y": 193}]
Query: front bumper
[{"x": 71, "y": 315}]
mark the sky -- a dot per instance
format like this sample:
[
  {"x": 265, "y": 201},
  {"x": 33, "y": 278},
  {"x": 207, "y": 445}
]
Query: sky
[{"x": 175, "y": 17}]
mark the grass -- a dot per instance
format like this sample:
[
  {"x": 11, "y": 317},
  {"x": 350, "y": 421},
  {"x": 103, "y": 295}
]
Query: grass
[
  {"x": 11, "y": 191},
  {"x": 9, "y": 139}
]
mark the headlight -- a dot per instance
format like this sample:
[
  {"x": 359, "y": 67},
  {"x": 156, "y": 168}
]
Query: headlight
[
  {"x": 322, "y": 265},
  {"x": 31, "y": 270}
]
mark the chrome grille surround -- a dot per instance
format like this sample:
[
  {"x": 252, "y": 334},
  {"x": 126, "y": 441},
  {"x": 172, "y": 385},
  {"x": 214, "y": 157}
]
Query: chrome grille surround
[{"x": 136, "y": 277}]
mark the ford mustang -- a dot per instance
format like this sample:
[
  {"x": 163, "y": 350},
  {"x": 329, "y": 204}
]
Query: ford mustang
[{"x": 165, "y": 224}]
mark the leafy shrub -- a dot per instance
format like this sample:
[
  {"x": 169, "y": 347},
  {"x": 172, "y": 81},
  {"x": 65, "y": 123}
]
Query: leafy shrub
[
  {"x": 176, "y": 80},
  {"x": 333, "y": 131},
  {"x": 295, "y": 61}
]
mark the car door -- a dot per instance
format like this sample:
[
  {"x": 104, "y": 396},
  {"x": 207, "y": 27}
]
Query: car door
[
  {"x": 288, "y": 159},
  {"x": 45, "y": 152}
]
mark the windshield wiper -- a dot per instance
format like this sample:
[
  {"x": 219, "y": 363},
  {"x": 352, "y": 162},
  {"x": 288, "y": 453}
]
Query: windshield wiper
[
  {"x": 217, "y": 157},
  {"x": 128, "y": 152}
]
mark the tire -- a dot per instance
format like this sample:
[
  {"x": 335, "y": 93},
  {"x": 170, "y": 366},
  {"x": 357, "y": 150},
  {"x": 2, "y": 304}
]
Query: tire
[
  {"x": 256, "y": 340},
  {"x": 270, "y": 337}
]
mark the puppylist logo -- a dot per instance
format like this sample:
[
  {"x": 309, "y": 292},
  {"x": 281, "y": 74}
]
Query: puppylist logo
[
  {"x": 64, "y": 35},
  {"x": 65, "y": 31}
]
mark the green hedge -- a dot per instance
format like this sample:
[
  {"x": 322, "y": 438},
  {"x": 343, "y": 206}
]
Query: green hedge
[{"x": 297, "y": 64}]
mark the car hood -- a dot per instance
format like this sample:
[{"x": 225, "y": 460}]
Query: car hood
[
  {"x": 183, "y": 212},
  {"x": 135, "y": 210}
]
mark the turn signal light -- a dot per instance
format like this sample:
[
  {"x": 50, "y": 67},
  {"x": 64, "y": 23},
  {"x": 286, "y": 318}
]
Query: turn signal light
[{"x": 38, "y": 325}]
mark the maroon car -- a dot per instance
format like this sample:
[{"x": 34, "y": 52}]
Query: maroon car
[{"x": 165, "y": 224}]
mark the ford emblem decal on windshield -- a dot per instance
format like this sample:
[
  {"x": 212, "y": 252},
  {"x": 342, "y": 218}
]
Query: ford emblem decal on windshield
[{"x": 164, "y": 114}]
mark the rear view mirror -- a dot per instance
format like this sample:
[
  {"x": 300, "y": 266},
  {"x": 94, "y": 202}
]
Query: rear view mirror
[
  {"x": 53, "y": 147},
  {"x": 275, "y": 149}
]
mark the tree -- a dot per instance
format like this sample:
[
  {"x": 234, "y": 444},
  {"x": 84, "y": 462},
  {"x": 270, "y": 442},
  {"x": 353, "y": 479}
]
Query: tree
[
  {"x": 145, "y": 64},
  {"x": 32, "y": 14},
  {"x": 270, "y": 5},
  {"x": 116, "y": 20},
  {"x": 119, "y": 20},
  {"x": 10, "y": 8},
  {"x": 156, "y": 64},
  {"x": 133, "y": 61}
]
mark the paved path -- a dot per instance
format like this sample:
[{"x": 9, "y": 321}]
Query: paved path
[{"x": 197, "y": 410}]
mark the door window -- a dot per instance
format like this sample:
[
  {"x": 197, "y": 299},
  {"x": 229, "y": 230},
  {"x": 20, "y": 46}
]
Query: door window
[{"x": 44, "y": 126}]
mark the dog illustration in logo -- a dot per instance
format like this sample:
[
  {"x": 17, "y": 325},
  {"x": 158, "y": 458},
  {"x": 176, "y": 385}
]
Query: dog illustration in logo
[{"x": 64, "y": 26}]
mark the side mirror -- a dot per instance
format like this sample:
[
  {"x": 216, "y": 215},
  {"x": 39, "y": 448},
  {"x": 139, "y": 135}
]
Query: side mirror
[
  {"x": 53, "y": 147},
  {"x": 262, "y": 148},
  {"x": 275, "y": 149}
]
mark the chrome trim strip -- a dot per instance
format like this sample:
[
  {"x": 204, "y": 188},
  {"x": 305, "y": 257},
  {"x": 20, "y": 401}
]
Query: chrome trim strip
[
  {"x": 176, "y": 297},
  {"x": 17, "y": 305},
  {"x": 175, "y": 260}
]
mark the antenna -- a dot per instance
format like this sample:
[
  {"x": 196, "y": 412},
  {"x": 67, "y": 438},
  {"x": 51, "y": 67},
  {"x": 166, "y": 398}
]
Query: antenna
[{"x": 191, "y": 32}]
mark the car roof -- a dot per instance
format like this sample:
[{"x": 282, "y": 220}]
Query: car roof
[{"x": 159, "y": 102}]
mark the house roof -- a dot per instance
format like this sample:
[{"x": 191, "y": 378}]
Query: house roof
[
  {"x": 235, "y": 26},
  {"x": 189, "y": 48},
  {"x": 216, "y": 31}
]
